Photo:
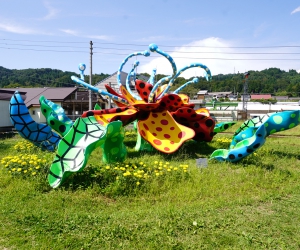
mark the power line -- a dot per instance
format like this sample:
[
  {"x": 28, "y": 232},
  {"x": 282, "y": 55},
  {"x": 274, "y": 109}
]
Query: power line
[
  {"x": 37, "y": 41},
  {"x": 31, "y": 45},
  {"x": 180, "y": 52},
  {"x": 43, "y": 50},
  {"x": 170, "y": 46},
  {"x": 190, "y": 58},
  {"x": 214, "y": 52}
]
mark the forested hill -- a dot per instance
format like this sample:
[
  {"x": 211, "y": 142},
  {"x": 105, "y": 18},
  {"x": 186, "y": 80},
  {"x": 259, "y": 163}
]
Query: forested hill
[
  {"x": 11, "y": 78},
  {"x": 273, "y": 81}
]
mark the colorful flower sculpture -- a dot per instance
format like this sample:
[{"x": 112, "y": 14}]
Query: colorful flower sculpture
[{"x": 165, "y": 121}]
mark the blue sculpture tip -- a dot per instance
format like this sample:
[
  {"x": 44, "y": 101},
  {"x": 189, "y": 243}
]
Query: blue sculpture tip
[
  {"x": 153, "y": 47},
  {"x": 146, "y": 53},
  {"x": 195, "y": 80},
  {"x": 81, "y": 66}
]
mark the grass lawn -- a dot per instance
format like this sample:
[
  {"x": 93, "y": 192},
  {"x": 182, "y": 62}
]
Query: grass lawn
[{"x": 165, "y": 202}]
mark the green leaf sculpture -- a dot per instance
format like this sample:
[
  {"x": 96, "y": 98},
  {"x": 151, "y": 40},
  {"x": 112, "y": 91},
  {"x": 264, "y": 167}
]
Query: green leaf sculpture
[{"x": 75, "y": 148}]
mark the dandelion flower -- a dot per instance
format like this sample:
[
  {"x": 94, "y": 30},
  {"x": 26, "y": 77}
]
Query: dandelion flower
[{"x": 138, "y": 183}]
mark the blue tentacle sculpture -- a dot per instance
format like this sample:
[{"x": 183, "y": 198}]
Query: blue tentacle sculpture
[
  {"x": 252, "y": 134},
  {"x": 151, "y": 80},
  {"x": 129, "y": 76},
  {"x": 154, "y": 48},
  {"x": 144, "y": 53},
  {"x": 193, "y": 65}
]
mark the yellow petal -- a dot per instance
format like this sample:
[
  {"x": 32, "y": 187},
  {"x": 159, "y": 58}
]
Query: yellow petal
[
  {"x": 163, "y": 132},
  {"x": 129, "y": 97}
]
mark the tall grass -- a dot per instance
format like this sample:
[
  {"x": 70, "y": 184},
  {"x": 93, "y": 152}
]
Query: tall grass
[{"x": 253, "y": 204}]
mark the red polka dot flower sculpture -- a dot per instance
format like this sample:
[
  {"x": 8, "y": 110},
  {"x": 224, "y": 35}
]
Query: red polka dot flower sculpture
[{"x": 165, "y": 120}]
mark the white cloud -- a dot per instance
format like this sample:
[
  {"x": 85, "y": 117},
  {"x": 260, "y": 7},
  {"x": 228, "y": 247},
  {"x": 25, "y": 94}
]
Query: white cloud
[
  {"x": 295, "y": 10},
  {"x": 221, "y": 57},
  {"x": 52, "y": 12},
  {"x": 70, "y": 32},
  {"x": 16, "y": 28}
]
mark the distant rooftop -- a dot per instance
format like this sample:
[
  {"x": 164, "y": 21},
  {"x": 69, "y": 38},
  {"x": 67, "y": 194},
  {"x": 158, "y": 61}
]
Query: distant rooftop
[{"x": 53, "y": 94}]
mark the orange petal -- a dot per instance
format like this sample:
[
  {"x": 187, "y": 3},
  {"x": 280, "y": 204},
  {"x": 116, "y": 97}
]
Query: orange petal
[
  {"x": 163, "y": 132},
  {"x": 160, "y": 89},
  {"x": 203, "y": 111},
  {"x": 129, "y": 97},
  {"x": 185, "y": 99},
  {"x": 126, "y": 117}
]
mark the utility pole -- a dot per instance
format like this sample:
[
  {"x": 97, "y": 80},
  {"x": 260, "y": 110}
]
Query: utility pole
[
  {"x": 91, "y": 73},
  {"x": 109, "y": 99},
  {"x": 245, "y": 95}
]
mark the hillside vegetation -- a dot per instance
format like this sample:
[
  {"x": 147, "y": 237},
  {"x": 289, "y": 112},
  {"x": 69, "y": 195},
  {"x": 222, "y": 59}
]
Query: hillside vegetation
[
  {"x": 29, "y": 78},
  {"x": 273, "y": 81}
]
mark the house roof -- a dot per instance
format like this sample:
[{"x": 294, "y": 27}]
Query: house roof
[
  {"x": 219, "y": 93},
  {"x": 112, "y": 79},
  {"x": 281, "y": 97},
  {"x": 263, "y": 96},
  {"x": 5, "y": 94},
  {"x": 113, "y": 82},
  {"x": 53, "y": 94},
  {"x": 202, "y": 92}
]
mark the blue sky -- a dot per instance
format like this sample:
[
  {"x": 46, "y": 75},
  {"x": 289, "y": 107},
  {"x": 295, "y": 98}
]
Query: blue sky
[{"x": 227, "y": 36}]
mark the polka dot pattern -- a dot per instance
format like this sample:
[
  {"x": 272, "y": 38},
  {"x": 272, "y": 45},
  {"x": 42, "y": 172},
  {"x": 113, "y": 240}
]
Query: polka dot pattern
[
  {"x": 143, "y": 89},
  {"x": 203, "y": 132},
  {"x": 187, "y": 114},
  {"x": 172, "y": 102},
  {"x": 201, "y": 123},
  {"x": 166, "y": 135},
  {"x": 146, "y": 107}
]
